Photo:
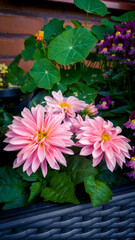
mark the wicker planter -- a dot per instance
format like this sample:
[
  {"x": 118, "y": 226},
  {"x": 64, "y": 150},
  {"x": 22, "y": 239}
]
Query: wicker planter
[{"x": 115, "y": 220}]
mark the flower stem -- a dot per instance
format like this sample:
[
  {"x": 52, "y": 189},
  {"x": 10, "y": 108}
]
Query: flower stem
[
  {"x": 86, "y": 20},
  {"x": 43, "y": 47}
]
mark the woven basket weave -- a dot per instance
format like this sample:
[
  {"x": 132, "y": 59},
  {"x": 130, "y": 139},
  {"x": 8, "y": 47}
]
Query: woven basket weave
[{"x": 48, "y": 221}]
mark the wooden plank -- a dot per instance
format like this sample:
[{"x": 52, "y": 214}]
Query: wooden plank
[{"x": 113, "y": 4}]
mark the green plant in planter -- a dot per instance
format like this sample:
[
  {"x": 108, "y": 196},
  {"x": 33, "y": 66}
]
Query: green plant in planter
[{"x": 67, "y": 67}]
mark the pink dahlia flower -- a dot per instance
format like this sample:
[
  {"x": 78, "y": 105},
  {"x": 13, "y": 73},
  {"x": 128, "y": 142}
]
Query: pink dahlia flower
[
  {"x": 60, "y": 104},
  {"x": 42, "y": 138},
  {"x": 99, "y": 138},
  {"x": 90, "y": 110}
]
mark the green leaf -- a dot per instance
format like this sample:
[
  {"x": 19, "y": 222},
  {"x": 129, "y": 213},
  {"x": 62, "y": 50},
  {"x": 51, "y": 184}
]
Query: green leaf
[
  {"x": 78, "y": 168},
  {"x": 110, "y": 178},
  {"x": 121, "y": 109},
  {"x": 11, "y": 185},
  {"x": 95, "y": 7},
  {"x": 71, "y": 46},
  {"x": 83, "y": 92},
  {"x": 98, "y": 191},
  {"x": 30, "y": 47},
  {"x": 38, "y": 98},
  {"x": 119, "y": 121},
  {"x": 61, "y": 189},
  {"x": 53, "y": 29},
  {"x": 19, "y": 202},
  {"x": 70, "y": 76},
  {"x": 100, "y": 31},
  {"x": 38, "y": 54},
  {"x": 126, "y": 17},
  {"x": 76, "y": 24},
  {"x": 45, "y": 74},
  {"x": 5, "y": 118},
  {"x": 15, "y": 75},
  {"x": 35, "y": 189},
  {"x": 15, "y": 61},
  {"x": 29, "y": 84},
  {"x": 60, "y": 86},
  {"x": 32, "y": 178},
  {"x": 67, "y": 27}
]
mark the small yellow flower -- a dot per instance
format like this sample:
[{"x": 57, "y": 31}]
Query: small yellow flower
[{"x": 3, "y": 68}]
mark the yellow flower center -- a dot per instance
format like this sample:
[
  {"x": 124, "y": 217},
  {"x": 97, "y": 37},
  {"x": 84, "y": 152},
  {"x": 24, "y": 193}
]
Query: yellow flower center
[
  {"x": 105, "y": 49},
  {"x": 113, "y": 55},
  {"x": 133, "y": 158},
  {"x": 132, "y": 47},
  {"x": 133, "y": 121},
  {"x": 128, "y": 31},
  {"x": 64, "y": 105},
  {"x": 41, "y": 135},
  {"x": 105, "y": 137},
  {"x": 128, "y": 59},
  {"x": 104, "y": 102},
  {"x": 4, "y": 71},
  {"x": 120, "y": 44},
  {"x": 113, "y": 44},
  {"x": 117, "y": 33}
]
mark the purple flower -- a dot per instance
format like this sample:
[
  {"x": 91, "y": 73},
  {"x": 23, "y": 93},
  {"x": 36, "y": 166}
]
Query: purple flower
[
  {"x": 104, "y": 50},
  {"x": 131, "y": 162},
  {"x": 131, "y": 175},
  {"x": 105, "y": 102},
  {"x": 104, "y": 75},
  {"x": 119, "y": 47},
  {"x": 132, "y": 51},
  {"x": 131, "y": 122}
]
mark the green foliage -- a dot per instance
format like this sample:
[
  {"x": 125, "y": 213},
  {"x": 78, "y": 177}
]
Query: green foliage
[
  {"x": 60, "y": 189},
  {"x": 14, "y": 75},
  {"x": 92, "y": 76},
  {"x": 70, "y": 76},
  {"x": 28, "y": 84},
  {"x": 38, "y": 98},
  {"x": 71, "y": 46},
  {"x": 32, "y": 178},
  {"x": 35, "y": 189},
  {"x": 21, "y": 201},
  {"x": 83, "y": 92},
  {"x": 11, "y": 185},
  {"x": 126, "y": 17},
  {"x": 95, "y": 7},
  {"x": 30, "y": 47},
  {"x": 100, "y": 30},
  {"x": 5, "y": 118},
  {"x": 76, "y": 24},
  {"x": 112, "y": 178},
  {"x": 45, "y": 74},
  {"x": 97, "y": 190},
  {"x": 53, "y": 29},
  {"x": 78, "y": 168}
]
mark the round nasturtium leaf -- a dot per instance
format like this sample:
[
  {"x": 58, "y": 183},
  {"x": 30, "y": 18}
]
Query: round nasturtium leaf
[
  {"x": 71, "y": 46},
  {"x": 45, "y": 74},
  {"x": 92, "y": 6}
]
